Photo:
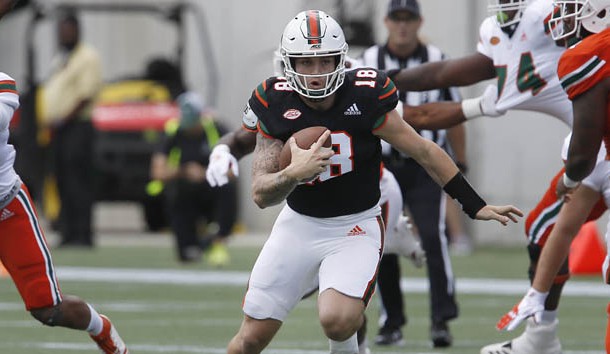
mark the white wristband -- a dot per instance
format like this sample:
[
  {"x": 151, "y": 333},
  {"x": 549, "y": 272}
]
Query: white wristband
[
  {"x": 569, "y": 182},
  {"x": 472, "y": 108}
]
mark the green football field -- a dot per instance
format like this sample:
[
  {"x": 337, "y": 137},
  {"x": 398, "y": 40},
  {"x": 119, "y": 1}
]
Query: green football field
[{"x": 160, "y": 306}]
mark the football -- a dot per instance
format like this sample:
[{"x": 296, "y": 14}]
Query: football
[{"x": 304, "y": 139}]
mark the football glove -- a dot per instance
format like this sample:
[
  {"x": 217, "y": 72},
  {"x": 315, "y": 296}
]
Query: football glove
[
  {"x": 532, "y": 304},
  {"x": 221, "y": 161},
  {"x": 405, "y": 242},
  {"x": 484, "y": 105}
]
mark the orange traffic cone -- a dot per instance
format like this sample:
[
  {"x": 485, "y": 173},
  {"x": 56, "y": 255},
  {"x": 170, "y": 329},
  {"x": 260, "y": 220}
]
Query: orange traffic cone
[{"x": 587, "y": 252}]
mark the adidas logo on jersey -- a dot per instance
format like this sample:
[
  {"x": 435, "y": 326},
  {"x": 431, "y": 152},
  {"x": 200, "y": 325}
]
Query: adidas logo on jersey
[
  {"x": 6, "y": 214},
  {"x": 352, "y": 111},
  {"x": 357, "y": 230}
]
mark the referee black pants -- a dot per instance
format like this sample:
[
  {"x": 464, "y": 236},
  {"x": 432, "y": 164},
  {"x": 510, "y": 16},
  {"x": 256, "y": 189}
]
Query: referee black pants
[{"x": 424, "y": 198}]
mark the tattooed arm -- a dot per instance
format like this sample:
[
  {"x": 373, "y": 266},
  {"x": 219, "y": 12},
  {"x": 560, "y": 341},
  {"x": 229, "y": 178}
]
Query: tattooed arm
[{"x": 270, "y": 185}]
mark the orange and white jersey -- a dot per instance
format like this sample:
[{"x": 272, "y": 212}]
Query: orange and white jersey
[
  {"x": 584, "y": 66},
  {"x": 526, "y": 63},
  {"x": 9, "y": 102}
]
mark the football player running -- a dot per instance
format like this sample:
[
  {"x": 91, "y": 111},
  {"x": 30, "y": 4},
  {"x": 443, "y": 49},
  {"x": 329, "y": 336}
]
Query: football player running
[
  {"x": 584, "y": 72},
  {"x": 517, "y": 49},
  {"x": 399, "y": 230},
  {"x": 23, "y": 246},
  {"x": 328, "y": 234}
]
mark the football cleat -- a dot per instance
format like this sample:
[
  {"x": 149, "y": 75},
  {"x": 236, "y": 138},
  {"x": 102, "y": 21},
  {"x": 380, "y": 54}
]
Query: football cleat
[
  {"x": 389, "y": 336},
  {"x": 440, "y": 335},
  {"x": 538, "y": 338},
  {"x": 109, "y": 340}
]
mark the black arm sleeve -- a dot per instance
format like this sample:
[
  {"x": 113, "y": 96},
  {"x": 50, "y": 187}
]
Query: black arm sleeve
[{"x": 459, "y": 189}]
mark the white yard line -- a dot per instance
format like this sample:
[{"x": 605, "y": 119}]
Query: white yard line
[
  {"x": 208, "y": 350},
  {"x": 484, "y": 286}
]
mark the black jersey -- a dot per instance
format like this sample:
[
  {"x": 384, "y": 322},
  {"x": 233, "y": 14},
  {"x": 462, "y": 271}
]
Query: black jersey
[{"x": 351, "y": 183}]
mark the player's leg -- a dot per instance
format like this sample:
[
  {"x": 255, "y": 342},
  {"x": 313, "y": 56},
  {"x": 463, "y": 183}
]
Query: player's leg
[
  {"x": 25, "y": 254},
  {"x": 253, "y": 335},
  {"x": 347, "y": 277},
  {"x": 285, "y": 270},
  {"x": 341, "y": 316},
  {"x": 539, "y": 224}
]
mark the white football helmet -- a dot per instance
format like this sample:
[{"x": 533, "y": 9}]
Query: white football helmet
[
  {"x": 570, "y": 16},
  {"x": 501, "y": 8},
  {"x": 313, "y": 33}
]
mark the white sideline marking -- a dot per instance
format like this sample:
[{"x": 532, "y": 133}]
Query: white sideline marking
[
  {"x": 208, "y": 350},
  {"x": 232, "y": 278}
]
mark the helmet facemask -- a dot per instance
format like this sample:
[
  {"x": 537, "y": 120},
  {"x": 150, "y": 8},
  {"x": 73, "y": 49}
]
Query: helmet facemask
[
  {"x": 503, "y": 9},
  {"x": 570, "y": 17},
  {"x": 564, "y": 22},
  {"x": 313, "y": 34},
  {"x": 333, "y": 80}
]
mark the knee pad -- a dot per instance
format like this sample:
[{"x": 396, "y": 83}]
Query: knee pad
[{"x": 49, "y": 316}]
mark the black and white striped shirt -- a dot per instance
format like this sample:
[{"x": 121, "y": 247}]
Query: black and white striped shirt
[{"x": 379, "y": 57}]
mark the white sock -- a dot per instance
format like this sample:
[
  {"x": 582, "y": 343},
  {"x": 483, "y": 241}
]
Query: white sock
[
  {"x": 350, "y": 346},
  {"x": 548, "y": 316},
  {"x": 95, "y": 324}
]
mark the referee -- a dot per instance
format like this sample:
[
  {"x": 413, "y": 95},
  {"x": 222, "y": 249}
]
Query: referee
[{"x": 424, "y": 198}]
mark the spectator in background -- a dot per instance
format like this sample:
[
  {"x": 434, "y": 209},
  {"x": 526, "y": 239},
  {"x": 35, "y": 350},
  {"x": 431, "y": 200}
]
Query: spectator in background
[
  {"x": 423, "y": 197},
  {"x": 181, "y": 164},
  {"x": 167, "y": 73},
  {"x": 67, "y": 102}
]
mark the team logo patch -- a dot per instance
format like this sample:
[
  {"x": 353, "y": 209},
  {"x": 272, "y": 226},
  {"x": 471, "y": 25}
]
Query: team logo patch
[
  {"x": 356, "y": 231},
  {"x": 352, "y": 111},
  {"x": 523, "y": 37},
  {"x": 494, "y": 40},
  {"x": 292, "y": 114}
]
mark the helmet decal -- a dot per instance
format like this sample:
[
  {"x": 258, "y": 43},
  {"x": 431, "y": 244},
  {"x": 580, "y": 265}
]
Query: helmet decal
[{"x": 314, "y": 35}]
